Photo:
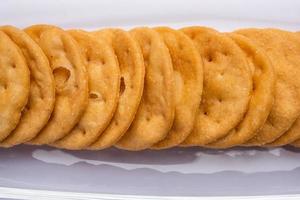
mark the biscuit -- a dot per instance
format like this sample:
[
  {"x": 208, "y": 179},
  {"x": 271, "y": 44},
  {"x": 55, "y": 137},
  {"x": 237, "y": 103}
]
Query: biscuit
[
  {"x": 69, "y": 70},
  {"x": 292, "y": 49},
  {"x": 155, "y": 114},
  {"x": 286, "y": 106},
  {"x": 132, "y": 69},
  {"x": 42, "y": 89},
  {"x": 227, "y": 86},
  {"x": 262, "y": 96},
  {"x": 187, "y": 66},
  {"x": 104, "y": 85},
  {"x": 14, "y": 85}
]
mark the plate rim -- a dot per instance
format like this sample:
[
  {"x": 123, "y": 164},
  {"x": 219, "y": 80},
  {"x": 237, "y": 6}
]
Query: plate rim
[{"x": 28, "y": 194}]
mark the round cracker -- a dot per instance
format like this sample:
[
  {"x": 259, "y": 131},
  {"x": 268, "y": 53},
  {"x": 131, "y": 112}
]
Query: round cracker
[
  {"x": 226, "y": 88},
  {"x": 155, "y": 114},
  {"x": 69, "y": 70},
  {"x": 14, "y": 85},
  {"x": 262, "y": 96},
  {"x": 132, "y": 83},
  {"x": 293, "y": 50},
  {"x": 42, "y": 89},
  {"x": 286, "y": 108},
  {"x": 104, "y": 84},
  {"x": 187, "y": 66}
]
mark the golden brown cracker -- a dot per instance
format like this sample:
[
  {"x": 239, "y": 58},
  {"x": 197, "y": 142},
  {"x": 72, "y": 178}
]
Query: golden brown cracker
[
  {"x": 262, "y": 96},
  {"x": 226, "y": 88},
  {"x": 286, "y": 107},
  {"x": 104, "y": 85},
  {"x": 188, "y": 79},
  {"x": 14, "y": 85},
  {"x": 132, "y": 69},
  {"x": 293, "y": 52},
  {"x": 69, "y": 70},
  {"x": 42, "y": 89},
  {"x": 155, "y": 114}
]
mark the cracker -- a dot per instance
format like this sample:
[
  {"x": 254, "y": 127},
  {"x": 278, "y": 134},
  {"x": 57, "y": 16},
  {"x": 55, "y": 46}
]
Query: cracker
[
  {"x": 187, "y": 66},
  {"x": 42, "y": 89},
  {"x": 69, "y": 70},
  {"x": 155, "y": 114},
  {"x": 14, "y": 85},
  {"x": 226, "y": 88},
  {"x": 292, "y": 49},
  {"x": 104, "y": 84},
  {"x": 286, "y": 106},
  {"x": 132, "y": 69},
  {"x": 262, "y": 96}
]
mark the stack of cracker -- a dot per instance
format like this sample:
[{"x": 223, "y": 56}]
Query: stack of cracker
[{"x": 149, "y": 88}]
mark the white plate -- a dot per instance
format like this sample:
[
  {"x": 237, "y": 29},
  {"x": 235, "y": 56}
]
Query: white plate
[{"x": 28, "y": 172}]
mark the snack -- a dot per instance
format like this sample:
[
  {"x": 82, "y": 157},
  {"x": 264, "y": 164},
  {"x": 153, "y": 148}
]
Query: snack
[
  {"x": 132, "y": 70},
  {"x": 188, "y": 79},
  {"x": 104, "y": 85},
  {"x": 262, "y": 96},
  {"x": 70, "y": 76},
  {"x": 227, "y": 86},
  {"x": 149, "y": 88},
  {"x": 42, "y": 89},
  {"x": 155, "y": 114},
  {"x": 286, "y": 106},
  {"x": 291, "y": 48},
  {"x": 14, "y": 85}
]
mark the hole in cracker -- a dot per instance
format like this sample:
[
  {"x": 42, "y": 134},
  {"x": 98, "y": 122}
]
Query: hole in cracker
[
  {"x": 94, "y": 95},
  {"x": 4, "y": 86},
  {"x": 147, "y": 119},
  {"x": 116, "y": 123},
  {"x": 61, "y": 76},
  {"x": 81, "y": 129},
  {"x": 122, "y": 86},
  {"x": 13, "y": 66},
  {"x": 103, "y": 62},
  {"x": 225, "y": 53},
  {"x": 88, "y": 58},
  {"x": 205, "y": 113},
  {"x": 253, "y": 87},
  {"x": 126, "y": 52},
  {"x": 192, "y": 35},
  {"x": 209, "y": 57}
]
